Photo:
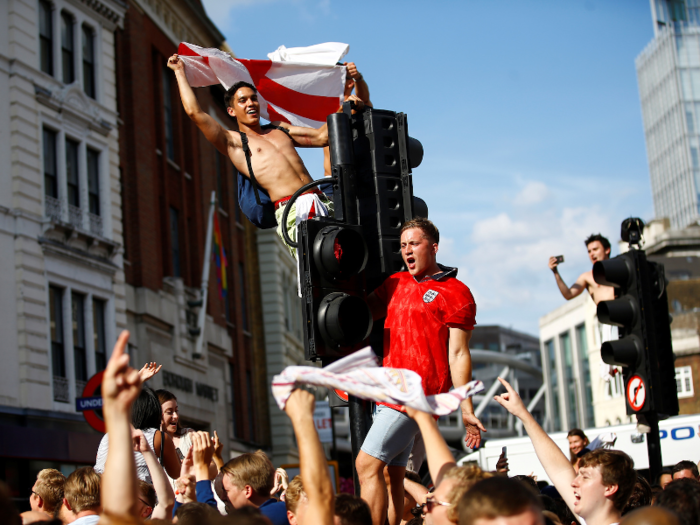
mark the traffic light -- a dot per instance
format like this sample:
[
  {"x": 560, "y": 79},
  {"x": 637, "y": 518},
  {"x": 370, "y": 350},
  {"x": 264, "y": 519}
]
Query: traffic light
[
  {"x": 332, "y": 258},
  {"x": 643, "y": 350}
]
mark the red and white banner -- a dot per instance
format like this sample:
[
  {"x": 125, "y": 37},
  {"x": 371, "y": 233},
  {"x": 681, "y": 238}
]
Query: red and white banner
[{"x": 300, "y": 94}]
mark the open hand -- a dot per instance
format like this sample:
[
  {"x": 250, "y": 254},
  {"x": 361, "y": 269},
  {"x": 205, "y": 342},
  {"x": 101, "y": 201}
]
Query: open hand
[
  {"x": 175, "y": 63},
  {"x": 510, "y": 400},
  {"x": 187, "y": 466},
  {"x": 474, "y": 429},
  {"x": 149, "y": 370},
  {"x": 121, "y": 384},
  {"x": 202, "y": 452}
]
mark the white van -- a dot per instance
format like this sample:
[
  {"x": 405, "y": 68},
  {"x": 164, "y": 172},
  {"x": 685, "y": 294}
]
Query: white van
[{"x": 680, "y": 439}]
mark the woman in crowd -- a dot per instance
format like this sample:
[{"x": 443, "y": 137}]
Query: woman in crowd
[
  {"x": 146, "y": 416},
  {"x": 170, "y": 423}
]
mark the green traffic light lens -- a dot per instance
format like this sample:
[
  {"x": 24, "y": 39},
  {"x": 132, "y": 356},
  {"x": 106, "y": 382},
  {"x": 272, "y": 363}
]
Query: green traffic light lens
[{"x": 344, "y": 320}]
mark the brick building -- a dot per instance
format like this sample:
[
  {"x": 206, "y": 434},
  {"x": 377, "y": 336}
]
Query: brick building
[{"x": 169, "y": 171}]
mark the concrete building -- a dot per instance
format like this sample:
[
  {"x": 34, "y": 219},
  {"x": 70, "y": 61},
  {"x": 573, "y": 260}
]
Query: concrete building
[
  {"x": 62, "y": 285},
  {"x": 668, "y": 72},
  {"x": 577, "y": 396},
  {"x": 169, "y": 172},
  {"x": 284, "y": 338}
]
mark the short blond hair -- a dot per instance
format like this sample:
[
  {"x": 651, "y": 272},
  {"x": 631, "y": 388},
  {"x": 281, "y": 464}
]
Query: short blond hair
[
  {"x": 49, "y": 487},
  {"x": 254, "y": 469},
  {"x": 294, "y": 493},
  {"x": 466, "y": 477},
  {"x": 82, "y": 490}
]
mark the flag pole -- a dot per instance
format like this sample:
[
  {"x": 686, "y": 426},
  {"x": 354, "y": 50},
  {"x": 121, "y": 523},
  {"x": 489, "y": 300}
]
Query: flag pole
[{"x": 204, "y": 291}]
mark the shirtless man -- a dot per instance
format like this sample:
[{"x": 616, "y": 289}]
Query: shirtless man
[
  {"x": 598, "y": 250},
  {"x": 353, "y": 80},
  {"x": 277, "y": 167}
]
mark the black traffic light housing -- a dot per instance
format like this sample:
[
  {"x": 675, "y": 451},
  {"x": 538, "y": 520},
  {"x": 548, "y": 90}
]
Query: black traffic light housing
[
  {"x": 332, "y": 258},
  {"x": 643, "y": 350}
]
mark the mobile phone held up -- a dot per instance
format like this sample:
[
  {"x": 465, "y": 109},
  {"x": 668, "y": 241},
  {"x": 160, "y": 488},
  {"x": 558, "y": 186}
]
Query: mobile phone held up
[
  {"x": 560, "y": 259},
  {"x": 504, "y": 452}
]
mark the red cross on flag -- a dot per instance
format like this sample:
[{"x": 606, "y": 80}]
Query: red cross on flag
[{"x": 298, "y": 93}]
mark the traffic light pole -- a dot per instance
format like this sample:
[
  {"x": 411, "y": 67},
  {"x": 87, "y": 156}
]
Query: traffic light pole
[{"x": 654, "y": 445}]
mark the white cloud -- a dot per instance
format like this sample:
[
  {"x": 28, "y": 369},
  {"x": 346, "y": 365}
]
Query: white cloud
[
  {"x": 534, "y": 192},
  {"x": 504, "y": 259}
]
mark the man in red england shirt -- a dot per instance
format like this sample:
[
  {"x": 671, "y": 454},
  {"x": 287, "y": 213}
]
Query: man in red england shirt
[{"x": 430, "y": 316}]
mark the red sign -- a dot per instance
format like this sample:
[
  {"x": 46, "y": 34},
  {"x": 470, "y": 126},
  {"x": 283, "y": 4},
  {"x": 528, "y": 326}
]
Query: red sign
[
  {"x": 636, "y": 393},
  {"x": 90, "y": 390}
]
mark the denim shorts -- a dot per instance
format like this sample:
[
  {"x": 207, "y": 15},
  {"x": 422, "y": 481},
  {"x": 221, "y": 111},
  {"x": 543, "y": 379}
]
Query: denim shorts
[{"x": 390, "y": 438}]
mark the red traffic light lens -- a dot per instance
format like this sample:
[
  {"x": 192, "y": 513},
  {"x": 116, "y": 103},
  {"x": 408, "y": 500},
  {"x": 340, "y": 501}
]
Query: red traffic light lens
[{"x": 340, "y": 252}]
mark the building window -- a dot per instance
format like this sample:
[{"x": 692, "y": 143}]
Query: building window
[
  {"x": 615, "y": 387},
  {"x": 98, "y": 334},
  {"x": 684, "y": 381},
  {"x": 88, "y": 61},
  {"x": 56, "y": 322},
  {"x": 67, "y": 48},
  {"x": 582, "y": 344},
  {"x": 93, "y": 172},
  {"x": 251, "y": 412},
  {"x": 569, "y": 379},
  {"x": 50, "y": 171},
  {"x": 72, "y": 177},
  {"x": 175, "y": 241},
  {"x": 554, "y": 382},
  {"x": 168, "y": 113},
  {"x": 241, "y": 287},
  {"x": 45, "y": 37},
  {"x": 78, "y": 326}
]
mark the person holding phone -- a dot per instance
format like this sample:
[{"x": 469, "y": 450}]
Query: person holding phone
[{"x": 598, "y": 250}]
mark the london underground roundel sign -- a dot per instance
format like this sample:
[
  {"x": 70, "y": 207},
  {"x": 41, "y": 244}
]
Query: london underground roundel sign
[
  {"x": 636, "y": 393},
  {"x": 91, "y": 402}
]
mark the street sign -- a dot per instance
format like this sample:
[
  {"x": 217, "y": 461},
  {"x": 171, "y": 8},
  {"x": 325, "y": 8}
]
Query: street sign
[
  {"x": 91, "y": 402},
  {"x": 636, "y": 393},
  {"x": 323, "y": 421}
]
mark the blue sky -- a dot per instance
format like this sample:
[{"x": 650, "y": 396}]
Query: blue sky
[{"x": 528, "y": 111}]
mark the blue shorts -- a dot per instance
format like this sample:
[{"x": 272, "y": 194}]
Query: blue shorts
[{"x": 390, "y": 438}]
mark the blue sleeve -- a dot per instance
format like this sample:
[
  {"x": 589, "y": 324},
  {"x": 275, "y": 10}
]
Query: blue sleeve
[
  {"x": 176, "y": 506},
  {"x": 204, "y": 493}
]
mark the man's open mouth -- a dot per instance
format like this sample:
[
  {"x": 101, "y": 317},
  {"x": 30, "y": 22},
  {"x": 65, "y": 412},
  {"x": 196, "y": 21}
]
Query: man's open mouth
[{"x": 411, "y": 262}]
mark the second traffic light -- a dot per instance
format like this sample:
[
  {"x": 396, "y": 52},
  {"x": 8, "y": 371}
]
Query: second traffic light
[
  {"x": 643, "y": 350},
  {"x": 332, "y": 259}
]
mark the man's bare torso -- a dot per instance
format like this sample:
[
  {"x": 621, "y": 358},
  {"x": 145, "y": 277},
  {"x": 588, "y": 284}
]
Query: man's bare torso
[
  {"x": 276, "y": 164},
  {"x": 598, "y": 292}
]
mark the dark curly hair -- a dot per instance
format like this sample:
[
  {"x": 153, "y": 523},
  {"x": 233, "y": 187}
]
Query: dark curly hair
[{"x": 232, "y": 91}]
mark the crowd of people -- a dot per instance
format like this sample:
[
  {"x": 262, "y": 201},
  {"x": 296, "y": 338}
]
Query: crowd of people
[{"x": 148, "y": 468}]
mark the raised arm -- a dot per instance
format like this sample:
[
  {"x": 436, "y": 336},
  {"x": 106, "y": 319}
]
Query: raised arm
[
  {"x": 312, "y": 460},
  {"x": 164, "y": 490},
  {"x": 361, "y": 87},
  {"x": 461, "y": 372},
  {"x": 568, "y": 293},
  {"x": 555, "y": 463},
  {"x": 212, "y": 130},
  {"x": 312, "y": 137},
  {"x": 440, "y": 459},
  {"x": 121, "y": 385}
]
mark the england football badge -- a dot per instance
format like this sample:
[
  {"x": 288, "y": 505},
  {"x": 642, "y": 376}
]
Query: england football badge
[{"x": 430, "y": 296}]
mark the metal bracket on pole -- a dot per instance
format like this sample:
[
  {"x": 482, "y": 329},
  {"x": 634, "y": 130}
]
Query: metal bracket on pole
[{"x": 204, "y": 290}]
